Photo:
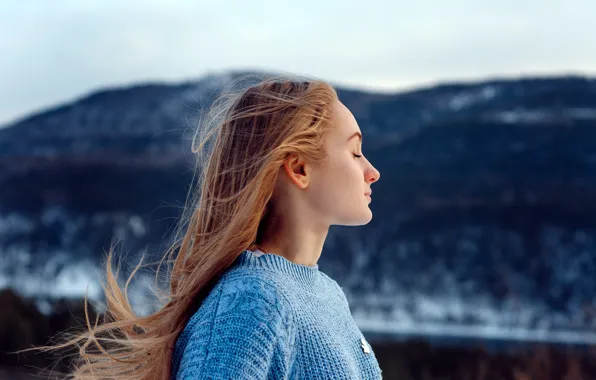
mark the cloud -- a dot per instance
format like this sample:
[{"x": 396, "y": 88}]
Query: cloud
[{"x": 62, "y": 49}]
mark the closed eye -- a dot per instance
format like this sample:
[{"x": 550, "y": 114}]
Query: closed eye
[{"x": 357, "y": 155}]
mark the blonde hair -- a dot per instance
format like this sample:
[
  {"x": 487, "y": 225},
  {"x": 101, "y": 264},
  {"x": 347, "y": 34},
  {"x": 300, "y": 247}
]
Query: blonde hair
[{"x": 255, "y": 129}]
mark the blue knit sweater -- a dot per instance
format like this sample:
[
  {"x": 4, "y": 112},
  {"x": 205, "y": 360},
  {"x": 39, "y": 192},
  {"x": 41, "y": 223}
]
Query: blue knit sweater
[{"x": 270, "y": 318}]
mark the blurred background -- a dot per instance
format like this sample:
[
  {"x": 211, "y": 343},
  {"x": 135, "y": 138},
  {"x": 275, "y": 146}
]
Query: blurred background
[{"x": 480, "y": 260}]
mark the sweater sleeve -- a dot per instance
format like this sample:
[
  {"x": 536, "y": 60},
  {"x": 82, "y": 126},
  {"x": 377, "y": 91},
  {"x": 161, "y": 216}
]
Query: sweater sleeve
[{"x": 246, "y": 334}]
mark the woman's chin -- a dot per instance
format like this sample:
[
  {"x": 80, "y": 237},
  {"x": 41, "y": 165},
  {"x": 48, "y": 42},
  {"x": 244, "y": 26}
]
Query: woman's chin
[{"x": 365, "y": 219}]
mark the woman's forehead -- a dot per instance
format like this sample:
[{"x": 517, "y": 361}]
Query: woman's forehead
[{"x": 345, "y": 123}]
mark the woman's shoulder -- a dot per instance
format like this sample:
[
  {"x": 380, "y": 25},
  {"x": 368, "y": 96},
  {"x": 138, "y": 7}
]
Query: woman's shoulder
[
  {"x": 253, "y": 289},
  {"x": 253, "y": 293},
  {"x": 245, "y": 292},
  {"x": 243, "y": 320}
]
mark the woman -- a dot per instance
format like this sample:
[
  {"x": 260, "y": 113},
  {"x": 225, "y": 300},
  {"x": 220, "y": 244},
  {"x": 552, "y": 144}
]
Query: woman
[{"x": 246, "y": 297}]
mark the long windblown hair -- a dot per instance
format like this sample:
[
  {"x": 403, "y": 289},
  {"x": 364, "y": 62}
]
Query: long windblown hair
[{"x": 254, "y": 130}]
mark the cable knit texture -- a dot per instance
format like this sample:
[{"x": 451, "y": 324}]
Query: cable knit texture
[{"x": 270, "y": 318}]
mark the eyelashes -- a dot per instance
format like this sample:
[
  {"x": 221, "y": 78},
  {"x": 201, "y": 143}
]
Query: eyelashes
[{"x": 357, "y": 155}]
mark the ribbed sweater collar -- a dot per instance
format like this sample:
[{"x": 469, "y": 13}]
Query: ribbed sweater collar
[{"x": 304, "y": 274}]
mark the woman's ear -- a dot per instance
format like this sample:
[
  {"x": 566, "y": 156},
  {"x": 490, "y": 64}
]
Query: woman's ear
[{"x": 295, "y": 168}]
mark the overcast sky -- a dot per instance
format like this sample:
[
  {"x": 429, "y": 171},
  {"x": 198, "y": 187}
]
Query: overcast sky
[{"x": 55, "y": 51}]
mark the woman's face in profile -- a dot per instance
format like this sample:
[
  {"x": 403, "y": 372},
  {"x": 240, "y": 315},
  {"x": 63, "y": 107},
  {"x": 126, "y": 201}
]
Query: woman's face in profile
[{"x": 339, "y": 184}]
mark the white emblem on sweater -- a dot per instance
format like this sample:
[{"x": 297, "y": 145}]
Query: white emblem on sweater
[{"x": 365, "y": 346}]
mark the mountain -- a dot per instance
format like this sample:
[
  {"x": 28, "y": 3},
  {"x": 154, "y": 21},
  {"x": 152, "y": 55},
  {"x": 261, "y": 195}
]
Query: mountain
[{"x": 484, "y": 218}]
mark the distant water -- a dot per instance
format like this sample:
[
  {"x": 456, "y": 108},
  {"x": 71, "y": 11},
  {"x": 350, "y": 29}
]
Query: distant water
[
  {"x": 493, "y": 339},
  {"x": 491, "y": 345}
]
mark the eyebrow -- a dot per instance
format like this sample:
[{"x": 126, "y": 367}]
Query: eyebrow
[{"x": 354, "y": 135}]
